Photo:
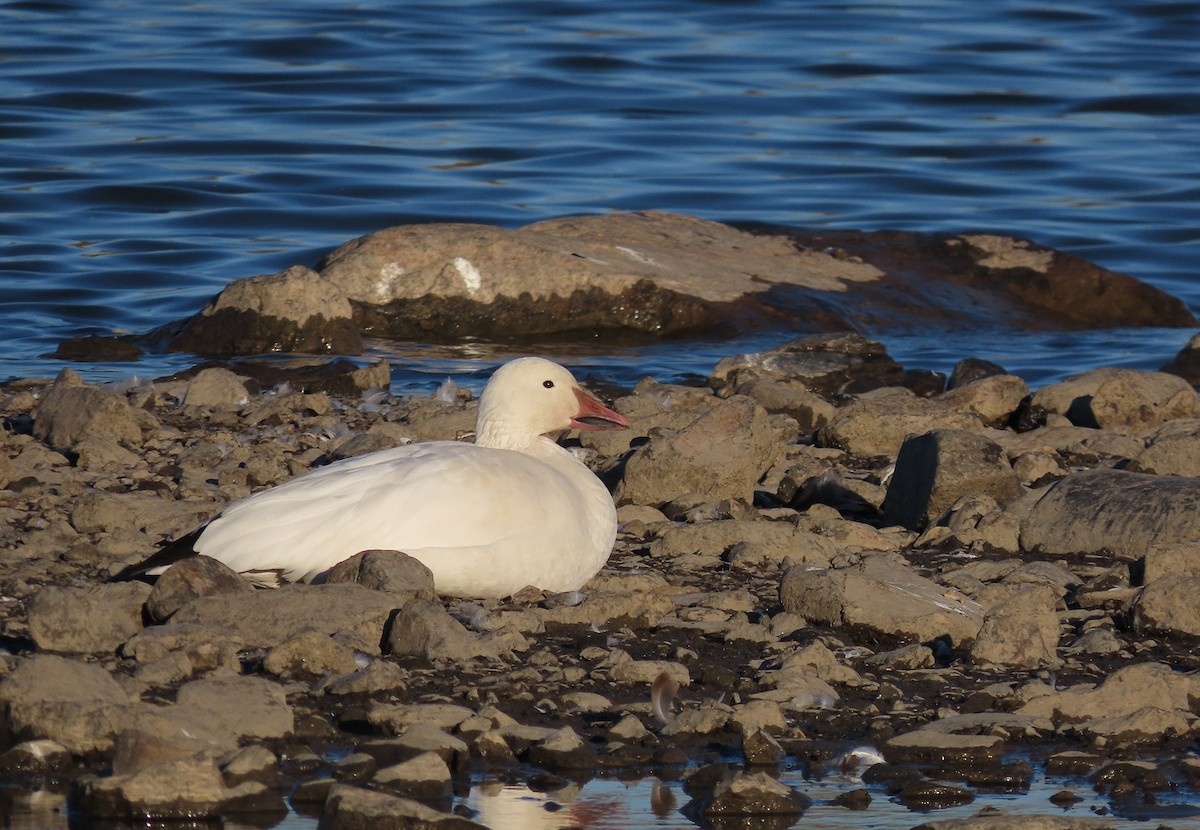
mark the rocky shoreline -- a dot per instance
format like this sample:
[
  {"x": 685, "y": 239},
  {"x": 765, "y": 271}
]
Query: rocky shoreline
[{"x": 821, "y": 553}]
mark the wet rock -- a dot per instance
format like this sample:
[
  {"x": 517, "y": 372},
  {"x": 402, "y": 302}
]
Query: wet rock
[
  {"x": 267, "y": 618},
  {"x": 853, "y": 799},
  {"x": 759, "y": 748},
  {"x": 748, "y": 794},
  {"x": 1167, "y": 606},
  {"x": 91, "y": 620},
  {"x": 77, "y": 704},
  {"x": 389, "y": 571},
  {"x": 1113, "y": 512},
  {"x": 425, "y": 629},
  {"x": 721, "y": 455},
  {"x": 216, "y": 387},
  {"x": 882, "y": 596},
  {"x": 71, "y": 411},
  {"x": 563, "y": 749},
  {"x": 294, "y": 310},
  {"x": 39, "y": 757},
  {"x": 879, "y": 422},
  {"x": 189, "y": 579},
  {"x": 96, "y": 348},
  {"x": 935, "y": 469},
  {"x": 1018, "y": 822},
  {"x": 825, "y": 364},
  {"x": 1021, "y": 632},
  {"x": 425, "y": 777},
  {"x": 355, "y": 808},
  {"x": 187, "y": 788},
  {"x": 929, "y": 795}
]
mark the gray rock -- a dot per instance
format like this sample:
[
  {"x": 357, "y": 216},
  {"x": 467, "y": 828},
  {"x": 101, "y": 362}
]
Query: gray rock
[
  {"x": 204, "y": 648},
  {"x": 1021, "y": 632},
  {"x": 216, "y": 387},
  {"x": 1125, "y": 400},
  {"x": 70, "y": 411},
  {"x": 882, "y": 596},
  {"x": 77, "y": 704},
  {"x": 721, "y": 455},
  {"x": 379, "y": 677},
  {"x": 992, "y": 399},
  {"x": 266, "y": 618},
  {"x": 1122, "y": 693},
  {"x": 389, "y": 571},
  {"x": 1167, "y": 606},
  {"x": 878, "y": 423},
  {"x": 1131, "y": 401},
  {"x": 355, "y": 808},
  {"x": 1115, "y": 513},
  {"x": 426, "y": 629},
  {"x": 1174, "y": 450},
  {"x": 248, "y": 707},
  {"x": 189, "y": 579},
  {"x": 943, "y": 748},
  {"x": 309, "y": 654},
  {"x": 294, "y": 310},
  {"x": 563, "y": 749},
  {"x": 92, "y": 620},
  {"x": 935, "y": 469}
]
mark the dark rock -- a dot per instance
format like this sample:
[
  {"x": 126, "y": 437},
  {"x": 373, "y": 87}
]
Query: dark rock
[
  {"x": 972, "y": 369},
  {"x": 928, "y": 795},
  {"x": 94, "y": 348},
  {"x": 759, "y": 748},
  {"x": 189, "y": 579},
  {"x": 563, "y": 750},
  {"x": 40, "y": 757},
  {"x": 935, "y": 469},
  {"x": 1186, "y": 364},
  {"x": 859, "y": 799}
]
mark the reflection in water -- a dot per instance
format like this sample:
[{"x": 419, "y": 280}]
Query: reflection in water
[{"x": 33, "y": 810}]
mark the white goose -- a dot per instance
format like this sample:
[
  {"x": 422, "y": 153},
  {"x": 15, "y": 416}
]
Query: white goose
[{"x": 512, "y": 509}]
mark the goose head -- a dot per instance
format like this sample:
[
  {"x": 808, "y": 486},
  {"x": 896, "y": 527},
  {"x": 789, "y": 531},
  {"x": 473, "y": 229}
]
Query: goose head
[{"x": 529, "y": 397}]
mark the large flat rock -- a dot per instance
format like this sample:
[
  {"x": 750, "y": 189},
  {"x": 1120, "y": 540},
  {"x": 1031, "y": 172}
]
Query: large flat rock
[{"x": 657, "y": 274}]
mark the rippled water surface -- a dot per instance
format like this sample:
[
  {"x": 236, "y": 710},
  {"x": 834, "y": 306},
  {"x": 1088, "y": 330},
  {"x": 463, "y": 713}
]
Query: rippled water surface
[{"x": 154, "y": 152}]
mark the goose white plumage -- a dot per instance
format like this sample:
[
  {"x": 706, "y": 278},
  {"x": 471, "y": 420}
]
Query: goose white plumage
[{"x": 489, "y": 518}]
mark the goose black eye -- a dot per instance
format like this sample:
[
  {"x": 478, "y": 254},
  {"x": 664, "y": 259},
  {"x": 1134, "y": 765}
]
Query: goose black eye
[{"x": 549, "y": 384}]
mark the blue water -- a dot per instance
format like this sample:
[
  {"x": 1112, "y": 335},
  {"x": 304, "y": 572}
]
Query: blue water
[{"x": 153, "y": 152}]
